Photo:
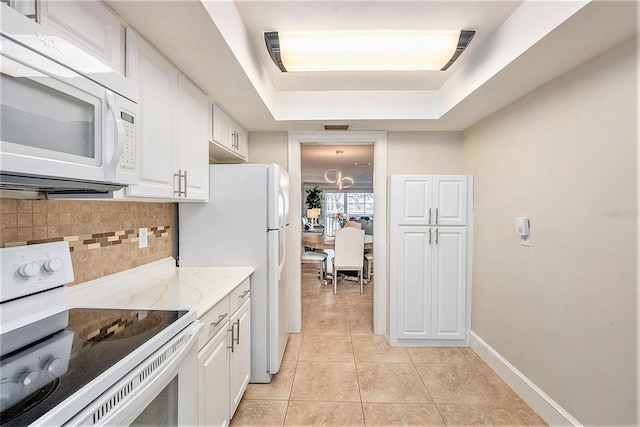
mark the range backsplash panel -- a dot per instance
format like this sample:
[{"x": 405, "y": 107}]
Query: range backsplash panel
[{"x": 102, "y": 235}]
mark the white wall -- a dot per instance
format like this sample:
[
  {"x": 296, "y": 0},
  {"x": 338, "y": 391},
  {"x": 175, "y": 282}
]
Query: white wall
[{"x": 563, "y": 311}]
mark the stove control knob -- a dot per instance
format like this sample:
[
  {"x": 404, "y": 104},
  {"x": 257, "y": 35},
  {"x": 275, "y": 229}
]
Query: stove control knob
[
  {"x": 52, "y": 265},
  {"x": 27, "y": 378},
  {"x": 51, "y": 364},
  {"x": 28, "y": 270}
]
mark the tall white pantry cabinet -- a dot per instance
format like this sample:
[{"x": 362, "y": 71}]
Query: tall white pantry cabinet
[{"x": 430, "y": 259}]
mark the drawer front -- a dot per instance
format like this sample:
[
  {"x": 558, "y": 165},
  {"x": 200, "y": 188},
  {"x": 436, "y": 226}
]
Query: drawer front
[
  {"x": 239, "y": 295},
  {"x": 214, "y": 320}
]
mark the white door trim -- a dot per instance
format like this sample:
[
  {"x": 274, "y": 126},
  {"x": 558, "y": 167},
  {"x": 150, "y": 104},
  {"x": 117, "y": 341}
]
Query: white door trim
[{"x": 380, "y": 288}]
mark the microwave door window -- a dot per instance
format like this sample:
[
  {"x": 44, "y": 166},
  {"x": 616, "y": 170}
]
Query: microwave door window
[{"x": 44, "y": 117}]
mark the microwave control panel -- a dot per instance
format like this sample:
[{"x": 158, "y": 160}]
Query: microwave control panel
[{"x": 128, "y": 159}]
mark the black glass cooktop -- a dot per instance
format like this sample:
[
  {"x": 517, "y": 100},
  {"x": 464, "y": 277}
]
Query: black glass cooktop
[{"x": 39, "y": 375}]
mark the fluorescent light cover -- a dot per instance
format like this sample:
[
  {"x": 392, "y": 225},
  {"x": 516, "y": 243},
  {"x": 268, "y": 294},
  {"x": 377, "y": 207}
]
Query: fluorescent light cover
[{"x": 379, "y": 50}]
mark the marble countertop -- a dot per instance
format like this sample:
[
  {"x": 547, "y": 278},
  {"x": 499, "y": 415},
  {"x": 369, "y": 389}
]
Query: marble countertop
[{"x": 160, "y": 285}]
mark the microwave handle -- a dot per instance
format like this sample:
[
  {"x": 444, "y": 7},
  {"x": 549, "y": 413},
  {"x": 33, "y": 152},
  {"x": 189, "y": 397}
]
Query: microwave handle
[{"x": 112, "y": 163}]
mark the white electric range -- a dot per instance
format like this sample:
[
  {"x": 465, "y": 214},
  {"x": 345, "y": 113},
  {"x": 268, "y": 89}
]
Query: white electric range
[{"x": 87, "y": 366}]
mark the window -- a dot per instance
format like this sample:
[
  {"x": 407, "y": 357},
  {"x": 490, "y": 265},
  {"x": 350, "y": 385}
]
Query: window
[{"x": 353, "y": 204}]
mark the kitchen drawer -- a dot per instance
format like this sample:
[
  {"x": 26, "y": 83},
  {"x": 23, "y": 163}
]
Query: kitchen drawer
[
  {"x": 239, "y": 295},
  {"x": 214, "y": 320}
]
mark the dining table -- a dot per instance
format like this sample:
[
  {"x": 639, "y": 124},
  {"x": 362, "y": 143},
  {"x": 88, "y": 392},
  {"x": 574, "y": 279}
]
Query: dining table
[{"x": 322, "y": 241}]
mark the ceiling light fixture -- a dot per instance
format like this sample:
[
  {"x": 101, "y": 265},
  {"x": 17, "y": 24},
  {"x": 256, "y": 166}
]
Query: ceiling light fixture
[
  {"x": 373, "y": 50},
  {"x": 334, "y": 176}
]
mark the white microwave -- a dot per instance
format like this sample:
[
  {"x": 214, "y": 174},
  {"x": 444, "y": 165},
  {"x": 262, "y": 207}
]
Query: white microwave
[{"x": 67, "y": 121}]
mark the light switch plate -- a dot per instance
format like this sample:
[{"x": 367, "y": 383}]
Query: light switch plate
[{"x": 143, "y": 237}]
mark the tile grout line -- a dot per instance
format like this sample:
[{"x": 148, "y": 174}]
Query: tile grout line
[
  {"x": 427, "y": 388},
  {"x": 355, "y": 365}
]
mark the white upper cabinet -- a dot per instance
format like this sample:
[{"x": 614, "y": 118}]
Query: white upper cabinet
[
  {"x": 431, "y": 199},
  {"x": 229, "y": 140},
  {"x": 173, "y": 125},
  {"x": 157, "y": 123},
  {"x": 88, "y": 24},
  {"x": 193, "y": 127}
]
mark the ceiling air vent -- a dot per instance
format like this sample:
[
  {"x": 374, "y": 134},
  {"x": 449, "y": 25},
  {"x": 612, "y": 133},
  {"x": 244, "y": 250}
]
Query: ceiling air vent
[{"x": 336, "y": 127}]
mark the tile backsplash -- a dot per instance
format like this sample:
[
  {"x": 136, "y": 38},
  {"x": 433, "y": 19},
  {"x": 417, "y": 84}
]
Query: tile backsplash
[{"x": 102, "y": 235}]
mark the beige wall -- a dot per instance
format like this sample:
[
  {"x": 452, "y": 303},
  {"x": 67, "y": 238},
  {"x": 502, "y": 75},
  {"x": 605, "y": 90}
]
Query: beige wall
[
  {"x": 407, "y": 153},
  {"x": 269, "y": 147},
  {"x": 563, "y": 311},
  {"x": 424, "y": 153}
]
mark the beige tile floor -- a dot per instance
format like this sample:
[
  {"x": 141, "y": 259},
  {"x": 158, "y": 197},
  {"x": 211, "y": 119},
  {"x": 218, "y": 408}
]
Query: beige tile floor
[{"x": 337, "y": 373}]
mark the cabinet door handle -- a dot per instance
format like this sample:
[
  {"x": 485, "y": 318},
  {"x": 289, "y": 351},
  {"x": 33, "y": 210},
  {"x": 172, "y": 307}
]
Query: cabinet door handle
[
  {"x": 437, "y": 216},
  {"x": 232, "y": 341},
  {"x": 436, "y": 236},
  {"x": 237, "y": 322},
  {"x": 185, "y": 183},
  {"x": 220, "y": 318},
  {"x": 179, "y": 176},
  {"x": 429, "y": 217},
  {"x": 429, "y": 236},
  {"x": 244, "y": 294},
  {"x": 36, "y": 16}
]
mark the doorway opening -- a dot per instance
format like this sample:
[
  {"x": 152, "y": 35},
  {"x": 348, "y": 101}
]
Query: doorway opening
[{"x": 303, "y": 140}]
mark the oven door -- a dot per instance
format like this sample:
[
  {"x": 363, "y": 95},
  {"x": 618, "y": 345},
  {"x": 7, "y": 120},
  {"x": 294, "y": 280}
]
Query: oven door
[
  {"x": 162, "y": 391},
  {"x": 55, "y": 122}
]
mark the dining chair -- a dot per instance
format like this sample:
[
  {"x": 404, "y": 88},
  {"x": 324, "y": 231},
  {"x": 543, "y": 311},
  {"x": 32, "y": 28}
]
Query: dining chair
[
  {"x": 353, "y": 224},
  {"x": 368, "y": 260},
  {"x": 349, "y": 247},
  {"x": 316, "y": 257}
]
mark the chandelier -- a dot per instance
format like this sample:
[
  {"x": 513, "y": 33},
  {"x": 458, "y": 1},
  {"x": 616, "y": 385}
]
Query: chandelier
[{"x": 334, "y": 176}]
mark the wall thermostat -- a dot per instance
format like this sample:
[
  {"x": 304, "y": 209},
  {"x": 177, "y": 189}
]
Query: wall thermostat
[
  {"x": 522, "y": 229},
  {"x": 522, "y": 226}
]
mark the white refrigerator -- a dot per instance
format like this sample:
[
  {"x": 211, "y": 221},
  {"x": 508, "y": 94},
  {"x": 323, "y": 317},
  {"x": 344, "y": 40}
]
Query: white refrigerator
[{"x": 245, "y": 223}]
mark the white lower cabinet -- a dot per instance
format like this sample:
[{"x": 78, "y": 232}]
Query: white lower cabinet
[
  {"x": 224, "y": 357},
  {"x": 240, "y": 356},
  {"x": 214, "y": 380}
]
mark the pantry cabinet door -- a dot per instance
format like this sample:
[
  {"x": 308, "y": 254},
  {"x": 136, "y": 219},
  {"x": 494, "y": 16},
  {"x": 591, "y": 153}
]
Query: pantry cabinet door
[
  {"x": 449, "y": 283},
  {"x": 412, "y": 199},
  {"x": 413, "y": 274},
  {"x": 450, "y": 200}
]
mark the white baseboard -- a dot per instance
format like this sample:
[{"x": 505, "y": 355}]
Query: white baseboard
[{"x": 533, "y": 395}]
